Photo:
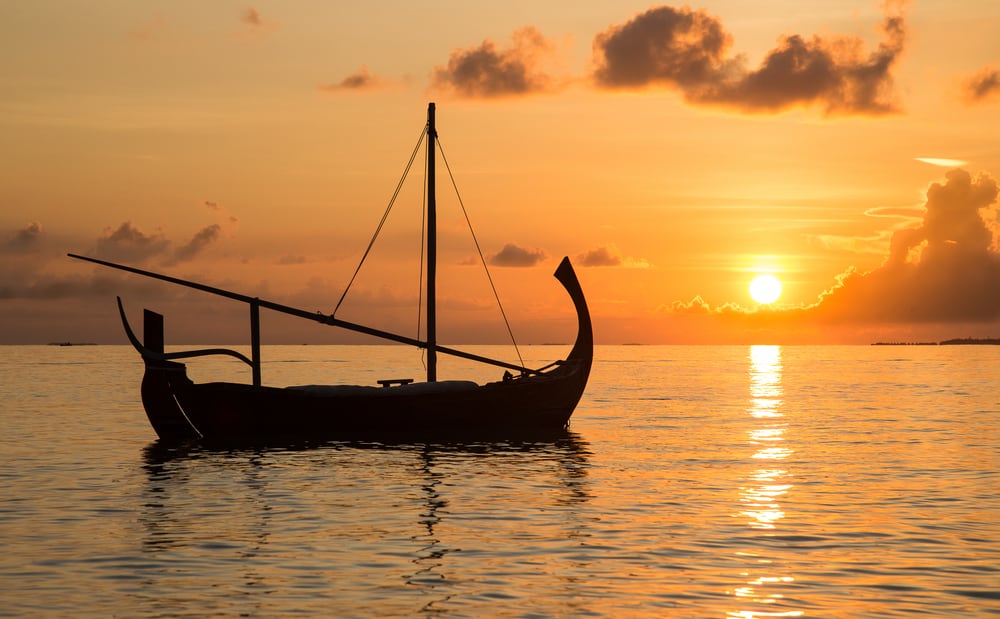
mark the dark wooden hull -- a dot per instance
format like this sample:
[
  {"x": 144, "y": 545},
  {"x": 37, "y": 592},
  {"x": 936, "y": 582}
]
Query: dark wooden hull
[
  {"x": 180, "y": 409},
  {"x": 520, "y": 406}
]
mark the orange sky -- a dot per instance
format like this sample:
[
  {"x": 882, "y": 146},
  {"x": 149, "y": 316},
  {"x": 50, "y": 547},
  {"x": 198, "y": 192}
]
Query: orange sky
[{"x": 672, "y": 152}]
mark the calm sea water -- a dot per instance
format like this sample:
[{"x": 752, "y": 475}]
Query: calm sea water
[{"x": 729, "y": 482}]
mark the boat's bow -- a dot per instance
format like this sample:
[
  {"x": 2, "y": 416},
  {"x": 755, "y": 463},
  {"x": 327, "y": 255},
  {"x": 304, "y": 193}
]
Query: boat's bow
[{"x": 583, "y": 349}]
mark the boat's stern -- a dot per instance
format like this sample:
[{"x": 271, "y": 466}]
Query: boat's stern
[
  {"x": 160, "y": 380},
  {"x": 158, "y": 399}
]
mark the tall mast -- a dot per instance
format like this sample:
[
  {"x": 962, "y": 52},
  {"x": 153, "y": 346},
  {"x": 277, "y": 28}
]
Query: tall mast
[{"x": 431, "y": 249}]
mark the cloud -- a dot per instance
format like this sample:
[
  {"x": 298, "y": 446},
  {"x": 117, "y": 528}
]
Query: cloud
[
  {"x": 252, "y": 18},
  {"x": 488, "y": 71},
  {"x": 513, "y": 256},
  {"x": 689, "y": 51},
  {"x": 126, "y": 243},
  {"x": 362, "y": 79},
  {"x": 65, "y": 287},
  {"x": 945, "y": 270},
  {"x": 25, "y": 240},
  {"x": 942, "y": 162},
  {"x": 696, "y": 306},
  {"x": 982, "y": 87},
  {"x": 221, "y": 213},
  {"x": 202, "y": 239},
  {"x": 609, "y": 257},
  {"x": 677, "y": 47},
  {"x": 42, "y": 275},
  {"x": 600, "y": 257}
]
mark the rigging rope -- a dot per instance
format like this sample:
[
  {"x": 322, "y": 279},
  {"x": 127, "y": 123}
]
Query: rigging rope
[
  {"x": 385, "y": 216},
  {"x": 480, "y": 251}
]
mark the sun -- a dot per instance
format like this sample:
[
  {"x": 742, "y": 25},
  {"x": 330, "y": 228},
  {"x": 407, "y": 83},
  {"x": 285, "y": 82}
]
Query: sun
[{"x": 765, "y": 289}]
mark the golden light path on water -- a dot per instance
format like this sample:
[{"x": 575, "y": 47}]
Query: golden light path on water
[{"x": 764, "y": 488}]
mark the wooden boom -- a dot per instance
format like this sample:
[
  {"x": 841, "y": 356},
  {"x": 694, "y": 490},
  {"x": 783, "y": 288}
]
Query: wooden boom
[{"x": 319, "y": 317}]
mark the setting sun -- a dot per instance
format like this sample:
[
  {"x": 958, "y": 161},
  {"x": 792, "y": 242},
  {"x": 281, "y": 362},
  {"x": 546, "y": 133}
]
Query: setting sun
[{"x": 765, "y": 289}]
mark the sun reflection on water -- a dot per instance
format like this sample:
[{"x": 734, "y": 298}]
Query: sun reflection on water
[{"x": 765, "y": 487}]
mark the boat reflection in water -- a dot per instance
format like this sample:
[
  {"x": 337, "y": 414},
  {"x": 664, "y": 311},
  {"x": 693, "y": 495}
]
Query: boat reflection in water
[
  {"x": 403, "y": 528},
  {"x": 763, "y": 594}
]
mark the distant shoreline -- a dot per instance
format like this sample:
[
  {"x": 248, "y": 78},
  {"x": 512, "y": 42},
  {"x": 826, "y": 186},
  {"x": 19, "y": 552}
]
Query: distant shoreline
[{"x": 967, "y": 341}]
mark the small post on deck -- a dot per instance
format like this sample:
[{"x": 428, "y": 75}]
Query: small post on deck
[
  {"x": 255, "y": 340},
  {"x": 152, "y": 330},
  {"x": 431, "y": 249}
]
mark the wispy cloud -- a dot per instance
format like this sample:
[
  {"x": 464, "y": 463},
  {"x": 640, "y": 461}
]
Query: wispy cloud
[
  {"x": 689, "y": 51},
  {"x": 488, "y": 70},
  {"x": 982, "y": 87},
  {"x": 252, "y": 18},
  {"x": 362, "y": 79},
  {"x": 942, "y": 162},
  {"x": 202, "y": 239}
]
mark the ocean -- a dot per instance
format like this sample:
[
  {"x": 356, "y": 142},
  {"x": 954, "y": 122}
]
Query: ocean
[{"x": 694, "y": 481}]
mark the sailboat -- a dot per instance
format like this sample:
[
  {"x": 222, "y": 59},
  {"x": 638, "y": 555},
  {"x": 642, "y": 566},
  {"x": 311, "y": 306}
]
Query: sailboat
[{"x": 523, "y": 401}]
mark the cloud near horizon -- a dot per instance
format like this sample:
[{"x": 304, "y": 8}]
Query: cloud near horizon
[
  {"x": 513, "y": 255},
  {"x": 605, "y": 256},
  {"x": 689, "y": 51},
  {"x": 129, "y": 244},
  {"x": 34, "y": 271},
  {"x": 24, "y": 240},
  {"x": 490, "y": 71},
  {"x": 202, "y": 239},
  {"x": 946, "y": 270}
]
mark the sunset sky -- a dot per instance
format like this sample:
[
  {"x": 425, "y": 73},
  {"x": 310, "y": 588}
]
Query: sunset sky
[{"x": 672, "y": 151}]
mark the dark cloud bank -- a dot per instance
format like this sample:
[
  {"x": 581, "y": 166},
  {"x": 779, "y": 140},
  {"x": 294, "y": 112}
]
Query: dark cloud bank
[
  {"x": 24, "y": 274},
  {"x": 690, "y": 51},
  {"x": 946, "y": 270}
]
